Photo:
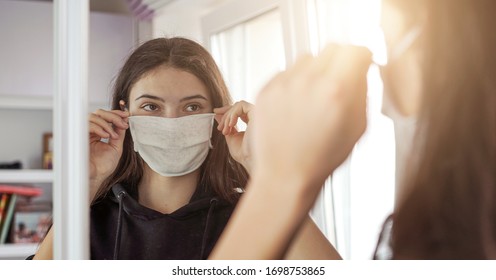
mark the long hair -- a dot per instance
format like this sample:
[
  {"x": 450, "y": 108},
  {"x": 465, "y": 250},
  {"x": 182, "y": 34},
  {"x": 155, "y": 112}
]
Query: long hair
[
  {"x": 450, "y": 209},
  {"x": 220, "y": 173}
]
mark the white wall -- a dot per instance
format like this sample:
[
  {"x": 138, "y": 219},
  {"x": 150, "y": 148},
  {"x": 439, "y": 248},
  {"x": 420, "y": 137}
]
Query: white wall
[
  {"x": 183, "y": 18},
  {"x": 26, "y": 72},
  {"x": 111, "y": 41},
  {"x": 22, "y": 135},
  {"x": 26, "y": 52}
]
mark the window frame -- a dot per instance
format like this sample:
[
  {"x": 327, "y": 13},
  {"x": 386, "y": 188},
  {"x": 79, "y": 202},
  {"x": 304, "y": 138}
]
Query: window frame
[{"x": 296, "y": 40}]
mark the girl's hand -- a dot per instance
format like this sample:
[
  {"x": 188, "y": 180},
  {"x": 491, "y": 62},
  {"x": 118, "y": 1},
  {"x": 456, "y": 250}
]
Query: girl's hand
[
  {"x": 308, "y": 118},
  {"x": 237, "y": 141},
  {"x": 105, "y": 155},
  {"x": 305, "y": 123}
]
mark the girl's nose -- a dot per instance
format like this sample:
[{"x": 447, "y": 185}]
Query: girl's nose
[{"x": 171, "y": 113}]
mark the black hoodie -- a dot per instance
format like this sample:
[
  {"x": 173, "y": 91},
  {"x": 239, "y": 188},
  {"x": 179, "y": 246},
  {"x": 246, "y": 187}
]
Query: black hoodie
[{"x": 121, "y": 228}]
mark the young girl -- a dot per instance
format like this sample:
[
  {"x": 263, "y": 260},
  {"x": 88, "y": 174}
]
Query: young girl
[
  {"x": 165, "y": 181},
  {"x": 444, "y": 78}
]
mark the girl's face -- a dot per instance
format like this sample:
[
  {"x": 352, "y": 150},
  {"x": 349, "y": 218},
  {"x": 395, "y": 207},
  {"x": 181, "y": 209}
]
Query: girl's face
[
  {"x": 170, "y": 93},
  {"x": 402, "y": 76}
]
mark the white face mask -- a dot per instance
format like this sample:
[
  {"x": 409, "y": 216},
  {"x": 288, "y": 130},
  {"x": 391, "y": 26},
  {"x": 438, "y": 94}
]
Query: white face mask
[
  {"x": 404, "y": 126},
  {"x": 172, "y": 146},
  {"x": 404, "y": 131}
]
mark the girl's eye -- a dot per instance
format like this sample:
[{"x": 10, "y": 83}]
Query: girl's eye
[
  {"x": 150, "y": 107},
  {"x": 193, "y": 108}
]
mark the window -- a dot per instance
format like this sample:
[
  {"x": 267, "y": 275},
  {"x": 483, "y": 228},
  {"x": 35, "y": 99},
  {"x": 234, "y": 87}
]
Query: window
[
  {"x": 363, "y": 187},
  {"x": 253, "y": 40},
  {"x": 250, "y": 53}
]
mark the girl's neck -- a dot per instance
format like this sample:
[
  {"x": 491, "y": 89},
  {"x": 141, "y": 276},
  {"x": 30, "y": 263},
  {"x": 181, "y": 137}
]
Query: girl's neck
[{"x": 166, "y": 194}]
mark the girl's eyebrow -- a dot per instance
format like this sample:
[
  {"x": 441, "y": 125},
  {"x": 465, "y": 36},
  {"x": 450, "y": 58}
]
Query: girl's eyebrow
[
  {"x": 198, "y": 96},
  {"x": 193, "y": 97},
  {"x": 150, "y": 96}
]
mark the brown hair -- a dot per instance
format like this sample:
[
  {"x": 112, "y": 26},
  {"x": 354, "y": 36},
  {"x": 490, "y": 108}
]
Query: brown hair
[
  {"x": 220, "y": 173},
  {"x": 450, "y": 210}
]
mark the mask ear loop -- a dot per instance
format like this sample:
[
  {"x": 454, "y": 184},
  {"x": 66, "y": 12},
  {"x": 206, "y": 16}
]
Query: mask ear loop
[
  {"x": 210, "y": 138},
  {"x": 123, "y": 107}
]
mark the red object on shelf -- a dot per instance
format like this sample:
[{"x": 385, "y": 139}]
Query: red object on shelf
[{"x": 21, "y": 190}]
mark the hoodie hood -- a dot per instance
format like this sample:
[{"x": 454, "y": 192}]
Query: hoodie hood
[
  {"x": 198, "y": 202},
  {"x": 138, "y": 232}
]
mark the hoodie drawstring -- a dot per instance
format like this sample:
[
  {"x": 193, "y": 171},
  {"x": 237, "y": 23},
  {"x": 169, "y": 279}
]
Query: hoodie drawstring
[
  {"x": 117, "y": 244},
  {"x": 213, "y": 202}
]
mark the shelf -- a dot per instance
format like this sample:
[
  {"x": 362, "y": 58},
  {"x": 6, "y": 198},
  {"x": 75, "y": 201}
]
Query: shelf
[
  {"x": 26, "y": 102},
  {"x": 38, "y": 103},
  {"x": 26, "y": 176},
  {"x": 17, "y": 251}
]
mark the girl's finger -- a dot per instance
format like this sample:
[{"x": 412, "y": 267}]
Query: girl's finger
[
  {"x": 107, "y": 127},
  {"x": 233, "y": 119},
  {"x": 119, "y": 140},
  {"x": 222, "y": 110},
  {"x": 230, "y": 115},
  {"x": 115, "y": 117},
  {"x": 218, "y": 119},
  {"x": 233, "y": 131},
  {"x": 123, "y": 114},
  {"x": 227, "y": 123},
  {"x": 220, "y": 122},
  {"x": 98, "y": 130}
]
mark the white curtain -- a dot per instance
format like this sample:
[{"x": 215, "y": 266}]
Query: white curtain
[
  {"x": 363, "y": 187},
  {"x": 359, "y": 195}
]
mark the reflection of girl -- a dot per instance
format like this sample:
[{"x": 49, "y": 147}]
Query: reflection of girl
[
  {"x": 446, "y": 206},
  {"x": 165, "y": 188}
]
